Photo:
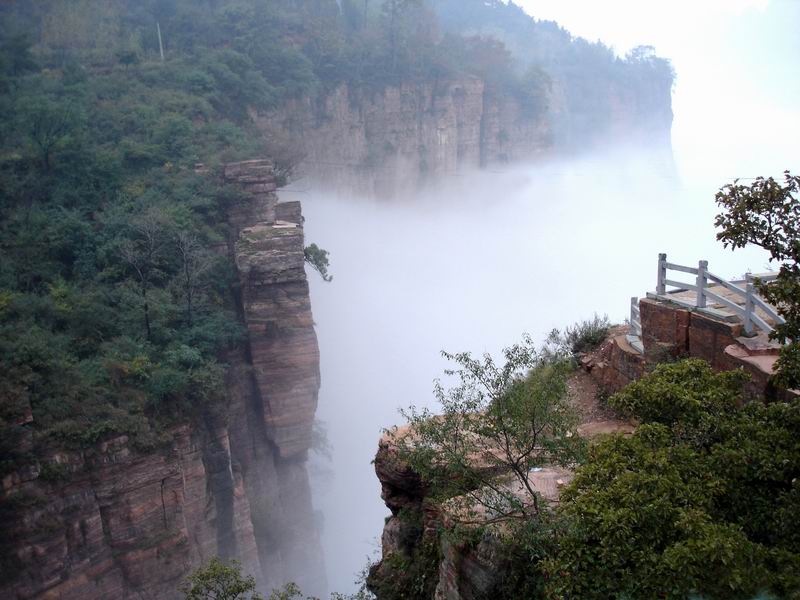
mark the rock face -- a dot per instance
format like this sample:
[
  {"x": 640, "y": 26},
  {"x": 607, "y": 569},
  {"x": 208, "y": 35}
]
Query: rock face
[
  {"x": 116, "y": 522},
  {"x": 416, "y": 553},
  {"x": 396, "y": 139},
  {"x": 400, "y": 137}
]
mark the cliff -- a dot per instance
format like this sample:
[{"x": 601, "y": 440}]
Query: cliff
[
  {"x": 112, "y": 521},
  {"x": 428, "y": 548},
  {"x": 401, "y": 137}
]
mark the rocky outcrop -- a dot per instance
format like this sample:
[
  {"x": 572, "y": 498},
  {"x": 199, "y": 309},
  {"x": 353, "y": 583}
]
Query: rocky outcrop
[
  {"x": 419, "y": 549},
  {"x": 114, "y": 521},
  {"x": 671, "y": 331},
  {"x": 397, "y": 138}
]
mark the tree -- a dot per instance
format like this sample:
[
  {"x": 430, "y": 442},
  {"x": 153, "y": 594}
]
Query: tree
[
  {"x": 767, "y": 214},
  {"x": 219, "y": 581},
  {"x": 318, "y": 259},
  {"x": 394, "y": 11},
  {"x": 48, "y": 125},
  {"x": 16, "y": 58},
  {"x": 695, "y": 502},
  {"x": 143, "y": 251},
  {"x": 497, "y": 424},
  {"x": 128, "y": 57},
  {"x": 196, "y": 262}
]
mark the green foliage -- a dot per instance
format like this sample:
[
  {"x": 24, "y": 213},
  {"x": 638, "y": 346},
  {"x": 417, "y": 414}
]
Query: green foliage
[
  {"x": 220, "y": 581},
  {"x": 113, "y": 313},
  {"x": 412, "y": 572},
  {"x": 523, "y": 549},
  {"x": 767, "y": 214},
  {"x": 584, "y": 336},
  {"x": 692, "y": 503},
  {"x": 497, "y": 424},
  {"x": 289, "y": 592},
  {"x": 318, "y": 259},
  {"x": 682, "y": 394}
]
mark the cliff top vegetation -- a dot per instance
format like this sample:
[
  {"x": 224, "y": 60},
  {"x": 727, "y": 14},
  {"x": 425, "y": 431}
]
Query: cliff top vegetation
[{"x": 113, "y": 312}]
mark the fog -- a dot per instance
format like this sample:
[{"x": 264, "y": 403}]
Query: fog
[
  {"x": 471, "y": 266},
  {"x": 484, "y": 257}
]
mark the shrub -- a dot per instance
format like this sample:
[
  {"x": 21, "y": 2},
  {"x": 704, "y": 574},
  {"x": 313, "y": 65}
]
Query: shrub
[{"x": 584, "y": 336}]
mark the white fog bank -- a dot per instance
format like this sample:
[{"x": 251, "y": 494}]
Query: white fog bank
[{"x": 471, "y": 266}]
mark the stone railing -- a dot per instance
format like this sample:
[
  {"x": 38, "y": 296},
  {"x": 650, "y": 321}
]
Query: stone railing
[{"x": 733, "y": 300}]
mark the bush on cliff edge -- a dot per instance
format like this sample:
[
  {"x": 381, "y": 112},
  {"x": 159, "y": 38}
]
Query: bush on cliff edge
[{"x": 699, "y": 503}]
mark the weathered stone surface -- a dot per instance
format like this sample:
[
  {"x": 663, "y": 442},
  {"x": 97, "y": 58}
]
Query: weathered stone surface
[
  {"x": 395, "y": 139},
  {"x": 401, "y": 486},
  {"x": 664, "y": 330},
  {"x": 615, "y": 364},
  {"x": 123, "y": 524},
  {"x": 257, "y": 184},
  {"x": 708, "y": 338},
  {"x": 469, "y": 573}
]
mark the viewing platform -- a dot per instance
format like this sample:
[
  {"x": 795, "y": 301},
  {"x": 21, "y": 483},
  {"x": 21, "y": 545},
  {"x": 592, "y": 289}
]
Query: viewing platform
[{"x": 726, "y": 323}]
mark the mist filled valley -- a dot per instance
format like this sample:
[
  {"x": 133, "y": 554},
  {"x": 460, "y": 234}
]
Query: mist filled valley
[
  {"x": 471, "y": 266},
  {"x": 399, "y": 300}
]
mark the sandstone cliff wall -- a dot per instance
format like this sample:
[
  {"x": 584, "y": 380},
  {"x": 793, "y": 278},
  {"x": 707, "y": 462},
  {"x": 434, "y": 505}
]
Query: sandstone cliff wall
[
  {"x": 115, "y": 522},
  {"x": 398, "y": 138}
]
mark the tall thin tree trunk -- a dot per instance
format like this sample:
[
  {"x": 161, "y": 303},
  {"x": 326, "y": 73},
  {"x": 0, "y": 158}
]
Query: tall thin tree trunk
[
  {"x": 146, "y": 311},
  {"x": 188, "y": 277}
]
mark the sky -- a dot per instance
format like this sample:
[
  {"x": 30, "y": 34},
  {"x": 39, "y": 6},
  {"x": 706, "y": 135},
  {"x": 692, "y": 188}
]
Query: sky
[{"x": 737, "y": 92}]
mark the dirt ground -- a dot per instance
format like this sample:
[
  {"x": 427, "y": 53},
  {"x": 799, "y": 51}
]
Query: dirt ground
[{"x": 595, "y": 416}]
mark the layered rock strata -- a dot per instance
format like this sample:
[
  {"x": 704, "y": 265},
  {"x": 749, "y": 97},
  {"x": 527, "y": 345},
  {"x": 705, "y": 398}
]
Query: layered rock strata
[
  {"x": 397, "y": 138},
  {"x": 460, "y": 569},
  {"x": 115, "y": 522}
]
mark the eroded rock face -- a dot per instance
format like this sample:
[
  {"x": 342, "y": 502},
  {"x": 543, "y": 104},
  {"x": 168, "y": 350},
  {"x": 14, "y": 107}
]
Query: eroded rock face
[
  {"x": 115, "y": 522},
  {"x": 414, "y": 550},
  {"x": 401, "y": 486},
  {"x": 395, "y": 139}
]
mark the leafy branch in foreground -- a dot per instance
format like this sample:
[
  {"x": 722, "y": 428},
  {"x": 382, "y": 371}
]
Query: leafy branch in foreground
[
  {"x": 767, "y": 214},
  {"x": 219, "y": 581},
  {"x": 318, "y": 259},
  {"x": 497, "y": 424},
  {"x": 700, "y": 501}
]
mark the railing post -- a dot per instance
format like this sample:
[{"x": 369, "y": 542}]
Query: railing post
[
  {"x": 702, "y": 268},
  {"x": 636, "y": 324},
  {"x": 748, "y": 305},
  {"x": 661, "y": 287}
]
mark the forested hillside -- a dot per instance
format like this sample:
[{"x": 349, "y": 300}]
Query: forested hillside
[
  {"x": 112, "y": 303},
  {"x": 588, "y": 73}
]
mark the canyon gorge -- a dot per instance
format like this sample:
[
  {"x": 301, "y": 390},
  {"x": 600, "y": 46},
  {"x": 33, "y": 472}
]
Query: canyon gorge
[
  {"x": 116, "y": 517},
  {"x": 116, "y": 522}
]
